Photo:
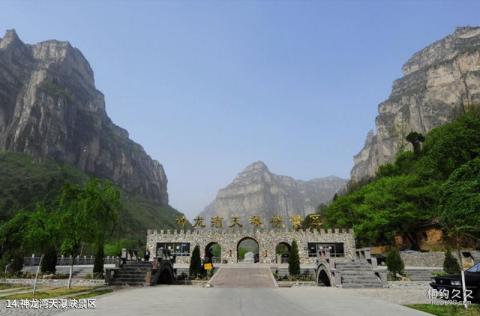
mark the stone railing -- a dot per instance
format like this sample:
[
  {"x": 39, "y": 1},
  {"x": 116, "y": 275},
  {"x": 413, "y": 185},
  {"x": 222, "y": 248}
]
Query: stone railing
[
  {"x": 65, "y": 261},
  {"x": 364, "y": 254}
]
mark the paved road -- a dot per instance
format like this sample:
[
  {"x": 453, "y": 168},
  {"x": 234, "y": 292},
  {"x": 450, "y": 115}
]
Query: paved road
[
  {"x": 243, "y": 277},
  {"x": 197, "y": 301}
]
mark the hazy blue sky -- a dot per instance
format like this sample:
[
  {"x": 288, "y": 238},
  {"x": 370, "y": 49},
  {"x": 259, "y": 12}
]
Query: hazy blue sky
[{"x": 207, "y": 87}]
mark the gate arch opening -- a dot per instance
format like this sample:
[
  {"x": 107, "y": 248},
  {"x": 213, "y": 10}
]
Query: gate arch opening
[
  {"x": 282, "y": 252},
  {"x": 323, "y": 279},
  {"x": 165, "y": 273},
  {"x": 248, "y": 250},
  {"x": 213, "y": 253}
]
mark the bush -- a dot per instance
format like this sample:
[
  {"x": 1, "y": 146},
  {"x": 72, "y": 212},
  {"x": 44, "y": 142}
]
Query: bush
[
  {"x": 294, "y": 260},
  {"x": 450, "y": 264},
  {"x": 394, "y": 263},
  {"x": 195, "y": 263}
]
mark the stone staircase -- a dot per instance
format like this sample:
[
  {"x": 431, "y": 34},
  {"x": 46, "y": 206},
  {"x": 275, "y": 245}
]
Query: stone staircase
[
  {"x": 131, "y": 273},
  {"x": 358, "y": 274}
]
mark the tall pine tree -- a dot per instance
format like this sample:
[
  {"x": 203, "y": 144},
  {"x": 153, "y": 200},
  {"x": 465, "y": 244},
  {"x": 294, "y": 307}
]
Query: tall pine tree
[
  {"x": 294, "y": 260},
  {"x": 195, "y": 263}
]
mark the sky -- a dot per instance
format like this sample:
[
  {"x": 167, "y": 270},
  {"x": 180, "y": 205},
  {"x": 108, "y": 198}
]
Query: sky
[{"x": 208, "y": 87}]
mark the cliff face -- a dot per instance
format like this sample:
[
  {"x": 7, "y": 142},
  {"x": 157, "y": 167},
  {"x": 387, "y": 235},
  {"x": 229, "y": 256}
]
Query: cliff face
[
  {"x": 438, "y": 83},
  {"x": 49, "y": 107},
  {"x": 257, "y": 191}
]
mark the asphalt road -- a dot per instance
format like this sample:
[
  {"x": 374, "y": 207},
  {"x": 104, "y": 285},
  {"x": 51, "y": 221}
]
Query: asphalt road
[
  {"x": 241, "y": 290},
  {"x": 197, "y": 301},
  {"x": 232, "y": 277}
]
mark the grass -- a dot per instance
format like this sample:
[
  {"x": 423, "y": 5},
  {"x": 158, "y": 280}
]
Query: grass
[
  {"x": 447, "y": 310},
  {"x": 48, "y": 293},
  {"x": 92, "y": 294},
  {"x": 4, "y": 286}
]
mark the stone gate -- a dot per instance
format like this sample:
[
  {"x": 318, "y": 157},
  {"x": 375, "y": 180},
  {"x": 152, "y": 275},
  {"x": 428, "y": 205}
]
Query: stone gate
[{"x": 181, "y": 243}]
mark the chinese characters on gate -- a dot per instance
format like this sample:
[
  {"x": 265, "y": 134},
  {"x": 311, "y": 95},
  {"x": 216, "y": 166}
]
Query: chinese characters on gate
[{"x": 313, "y": 221}]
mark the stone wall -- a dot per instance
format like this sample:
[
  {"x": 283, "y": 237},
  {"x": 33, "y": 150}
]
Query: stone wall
[
  {"x": 423, "y": 259},
  {"x": 267, "y": 240}
]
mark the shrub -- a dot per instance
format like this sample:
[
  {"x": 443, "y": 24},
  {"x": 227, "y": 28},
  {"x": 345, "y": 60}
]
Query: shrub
[
  {"x": 450, "y": 264},
  {"x": 394, "y": 262}
]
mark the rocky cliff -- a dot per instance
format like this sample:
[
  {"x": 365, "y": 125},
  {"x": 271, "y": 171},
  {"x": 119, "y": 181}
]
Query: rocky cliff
[
  {"x": 49, "y": 107},
  {"x": 257, "y": 191},
  {"x": 439, "y": 82}
]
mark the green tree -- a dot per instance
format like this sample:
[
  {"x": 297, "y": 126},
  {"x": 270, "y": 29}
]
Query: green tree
[
  {"x": 98, "y": 263},
  {"x": 16, "y": 263},
  {"x": 11, "y": 239},
  {"x": 394, "y": 262},
  {"x": 294, "y": 260},
  {"x": 43, "y": 234},
  {"x": 74, "y": 222},
  {"x": 450, "y": 264},
  {"x": 102, "y": 202},
  {"x": 416, "y": 139},
  {"x": 88, "y": 215},
  {"x": 460, "y": 204},
  {"x": 195, "y": 263},
  {"x": 449, "y": 146},
  {"x": 241, "y": 253},
  {"x": 384, "y": 208},
  {"x": 49, "y": 261}
]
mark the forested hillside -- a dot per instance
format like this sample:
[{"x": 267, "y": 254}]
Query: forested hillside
[
  {"x": 439, "y": 181},
  {"x": 25, "y": 182}
]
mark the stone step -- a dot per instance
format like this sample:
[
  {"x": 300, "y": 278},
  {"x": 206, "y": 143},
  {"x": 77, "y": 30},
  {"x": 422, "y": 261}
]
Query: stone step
[
  {"x": 365, "y": 277},
  {"x": 364, "y": 282},
  {"x": 130, "y": 280},
  {"x": 135, "y": 270},
  {"x": 138, "y": 264},
  {"x": 120, "y": 273},
  {"x": 357, "y": 286},
  {"x": 355, "y": 270},
  {"x": 350, "y": 266},
  {"x": 128, "y": 283},
  {"x": 360, "y": 274},
  {"x": 129, "y": 274}
]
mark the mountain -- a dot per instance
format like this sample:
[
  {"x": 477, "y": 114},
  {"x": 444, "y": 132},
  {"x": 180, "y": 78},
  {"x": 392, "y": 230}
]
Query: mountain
[
  {"x": 50, "y": 108},
  {"x": 257, "y": 191},
  {"x": 439, "y": 82}
]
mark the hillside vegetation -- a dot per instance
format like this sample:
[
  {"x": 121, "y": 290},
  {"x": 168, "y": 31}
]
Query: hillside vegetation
[
  {"x": 438, "y": 182},
  {"x": 25, "y": 182}
]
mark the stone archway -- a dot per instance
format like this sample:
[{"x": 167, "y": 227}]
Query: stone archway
[
  {"x": 282, "y": 252},
  {"x": 248, "y": 250},
  {"x": 213, "y": 252},
  {"x": 323, "y": 276}
]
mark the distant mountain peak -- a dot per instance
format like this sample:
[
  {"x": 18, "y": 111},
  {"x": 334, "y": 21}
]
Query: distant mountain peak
[
  {"x": 257, "y": 165},
  {"x": 257, "y": 191},
  {"x": 9, "y": 38}
]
